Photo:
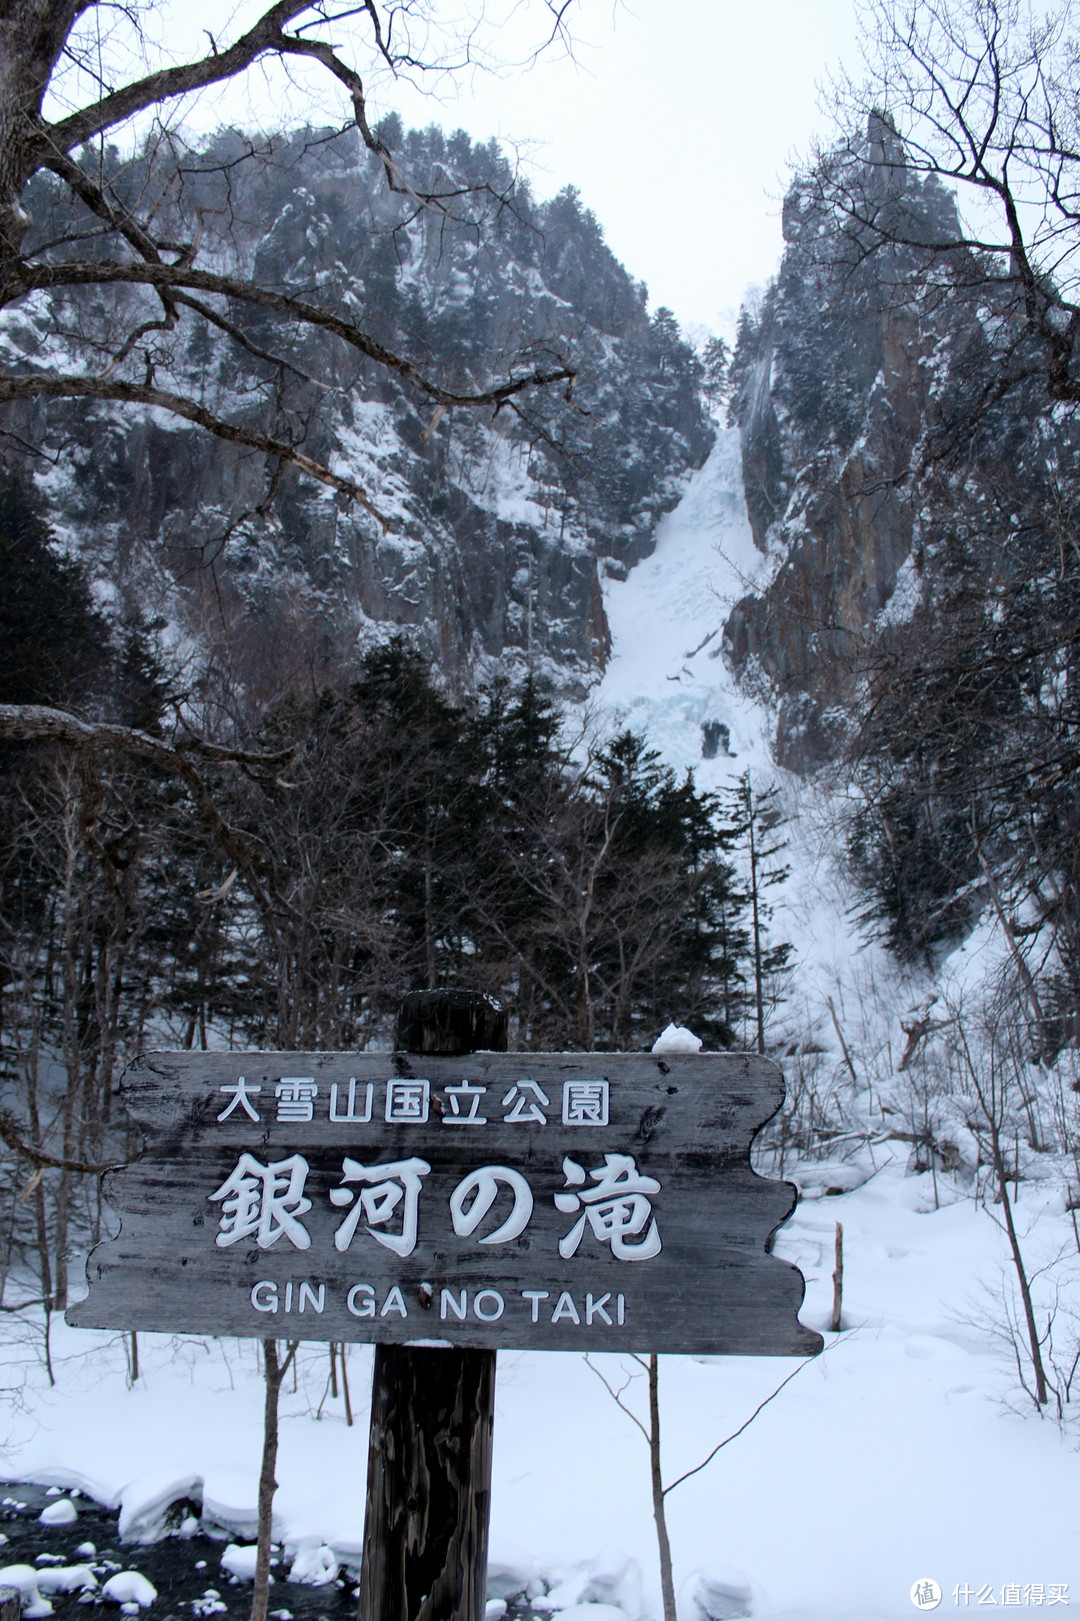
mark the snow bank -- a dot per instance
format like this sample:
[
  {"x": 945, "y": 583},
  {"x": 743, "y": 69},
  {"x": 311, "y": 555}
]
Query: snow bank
[{"x": 145, "y": 1502}]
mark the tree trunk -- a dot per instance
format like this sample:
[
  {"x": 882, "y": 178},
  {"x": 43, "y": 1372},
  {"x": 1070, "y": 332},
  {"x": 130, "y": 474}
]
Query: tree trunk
[
  {"x": 432, "y": 1413},
  {"x": 274, "y": 1373},
  {"x": 667, "y": 1579}
]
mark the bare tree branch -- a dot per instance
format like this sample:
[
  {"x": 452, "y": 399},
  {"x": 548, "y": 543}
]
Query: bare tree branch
[{"x": 103, "y": 388}]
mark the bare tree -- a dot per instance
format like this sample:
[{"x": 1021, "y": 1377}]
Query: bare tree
[
  {"x": 980, "y": 98},
  {"x": 103, "y": 212},
  {"x": 991, "y": 1078}
]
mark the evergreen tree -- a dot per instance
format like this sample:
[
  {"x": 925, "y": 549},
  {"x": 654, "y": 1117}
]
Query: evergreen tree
[{"x": 53, "y": 642}]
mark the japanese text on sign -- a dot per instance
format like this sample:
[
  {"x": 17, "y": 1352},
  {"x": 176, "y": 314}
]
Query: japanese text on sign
[
  {"x": 295, "y": 1099},
  {"x": 267, "y": 1203}
]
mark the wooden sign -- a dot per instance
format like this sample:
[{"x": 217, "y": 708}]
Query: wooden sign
[{"x": 558, "y": 1201}]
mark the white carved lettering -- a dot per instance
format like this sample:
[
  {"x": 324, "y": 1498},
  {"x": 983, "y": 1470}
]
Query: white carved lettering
[
  {"x": 397, "y": 1182},
  {"x": 585, "y": 1103},
  {"x": 526, "y": 1108},
  {"x": 296, "y": 1096},
  {"x": 482, "y": 1186},
  {"x": 361, "y": 1300},
  {"x": 564, "y": 1307},
  {"x": 350, "y": 1117},
  {"x": 459, "y": 1307},
  {"x": 616, "y": 1209},
  {"x": 242, "y": 1093},
  {"x": 263, "y": 1202},
  {"x": 407, "y": 1102},
  {"x": 465, "y": 1092}
]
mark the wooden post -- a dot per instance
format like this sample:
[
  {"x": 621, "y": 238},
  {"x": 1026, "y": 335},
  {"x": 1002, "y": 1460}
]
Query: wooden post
[
  {"x": 432, "y": 1413},
  {"x": 10, "y": 1603}
]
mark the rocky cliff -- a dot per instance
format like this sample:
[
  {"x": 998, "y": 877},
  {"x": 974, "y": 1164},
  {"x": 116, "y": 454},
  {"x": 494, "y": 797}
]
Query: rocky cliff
[
  {"x": 835, "y": 381},
  {"x": 497, "y": 529}
]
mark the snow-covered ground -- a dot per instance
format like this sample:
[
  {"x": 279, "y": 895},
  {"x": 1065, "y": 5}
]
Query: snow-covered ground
[{"x": 898, "y": 1455}]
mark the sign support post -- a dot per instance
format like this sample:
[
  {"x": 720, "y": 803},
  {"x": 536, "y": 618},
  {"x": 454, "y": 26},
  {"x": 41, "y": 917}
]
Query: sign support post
[{"x": 432, "y": 1413}]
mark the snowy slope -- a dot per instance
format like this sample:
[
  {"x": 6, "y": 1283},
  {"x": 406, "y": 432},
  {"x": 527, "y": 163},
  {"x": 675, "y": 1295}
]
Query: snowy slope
[
  {"x": 668, "y": 678},
  {"x": 894, "y": 1457}
]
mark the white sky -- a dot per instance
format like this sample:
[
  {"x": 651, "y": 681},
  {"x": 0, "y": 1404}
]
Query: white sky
[
  {"x": 676, "y": 125},
  {"x": 676, "y": 119}
]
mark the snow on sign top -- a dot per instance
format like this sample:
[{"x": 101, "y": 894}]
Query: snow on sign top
[{"x": 558, "y": 1201}]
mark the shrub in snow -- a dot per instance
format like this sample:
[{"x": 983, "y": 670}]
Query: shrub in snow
[
  {"x": 129, "y": 1587},
  {"x": 719, "y": 1593},
  {"x": 86, "y": 1550},
  {"x": 66, "y": 1579},
  {"x": 494, "y": 1609},
  {"x": 240, "y": 1561},
  {"x": 313, "y": 1564},
  {"x": 25, "y": 1578},
  {"x": 62, "y": 1512},
  {"x": 676, "y": 1038}
]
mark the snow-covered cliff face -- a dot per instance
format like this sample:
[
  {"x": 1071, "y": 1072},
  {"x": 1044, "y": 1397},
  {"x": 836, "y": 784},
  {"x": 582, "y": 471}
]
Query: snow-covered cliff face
[
  {"x": 499, "y": 530},
  {"x": 834, "y": 391}
]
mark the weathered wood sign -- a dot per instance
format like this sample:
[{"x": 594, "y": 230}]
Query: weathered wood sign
[{"x": 559, "y": 1201}]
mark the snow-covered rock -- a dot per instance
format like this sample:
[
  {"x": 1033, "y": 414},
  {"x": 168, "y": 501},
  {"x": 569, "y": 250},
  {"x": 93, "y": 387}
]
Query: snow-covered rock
[
  {"x": 314, "y": 1564},
  {"x": 26, "y": 1578},
  {"x": 66, "y": 1579},
  {"x": 62, "y": 1512},
  {"x": 239, "y": 1561},
  {"x": 676, "y": 1038},
  {"x": 611, "y": 1581},
  {"x": 129, "y": 1587},
  {"x": 719, "y": 1593},
  {"x": 615, "y": 1578}
]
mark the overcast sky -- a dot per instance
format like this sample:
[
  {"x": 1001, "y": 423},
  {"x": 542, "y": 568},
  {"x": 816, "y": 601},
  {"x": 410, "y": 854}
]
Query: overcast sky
[
  {"x": 674, "y": 118},
  {"x": 676, "y": 124}
]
